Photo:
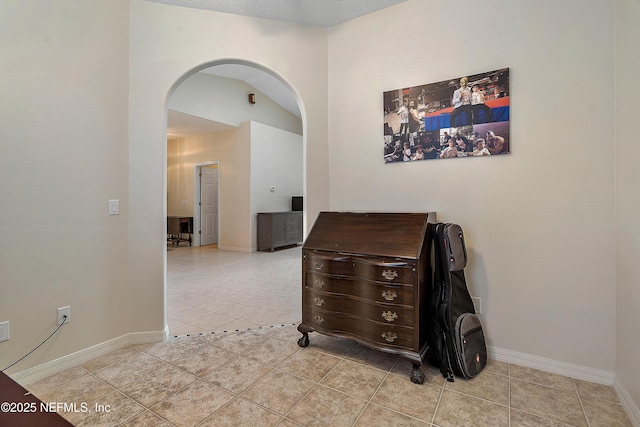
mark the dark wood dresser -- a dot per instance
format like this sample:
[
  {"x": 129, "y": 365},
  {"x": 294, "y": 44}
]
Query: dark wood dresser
[{"x": 366, "y": 276}]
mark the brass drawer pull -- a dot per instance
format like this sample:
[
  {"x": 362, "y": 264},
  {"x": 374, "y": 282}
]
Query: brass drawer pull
[
  {"x": 389, "y": 274},
  {"x": 389, "y": 316},
  {"x": 319, "y": 301},
  {"x": 319, "y": 319},
  {"x": 389, "y": 295},
  {"x": 389, "y": 336},
  {"x": 319, "y": 266},
  {"x": 318, "y": 283}
]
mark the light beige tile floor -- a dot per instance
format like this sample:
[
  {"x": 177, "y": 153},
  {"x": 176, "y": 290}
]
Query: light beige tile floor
[
  {"x": 216, "y": 290},
  {"x": 259, "y": 376}
]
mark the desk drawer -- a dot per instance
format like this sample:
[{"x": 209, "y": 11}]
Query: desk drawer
[
  {"x": 381, "y": 270},
  {"x": 385, "y": 271},
  {"x": 373, "y": 291},
  {"x": 344, "y": 324},
  {"x": 376, "y": 312},
  {"x": 327, "y": 264}
]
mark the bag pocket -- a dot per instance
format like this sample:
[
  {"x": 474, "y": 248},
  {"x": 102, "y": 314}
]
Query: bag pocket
[
  {"x": 471, "y": 350},
  {"x": 456, "y": 251}
]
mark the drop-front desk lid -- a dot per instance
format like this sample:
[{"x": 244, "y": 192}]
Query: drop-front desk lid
[{"x": 399, "y": 235}]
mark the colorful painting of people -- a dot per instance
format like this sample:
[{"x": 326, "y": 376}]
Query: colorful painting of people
[{"x": 466, "y": 116}]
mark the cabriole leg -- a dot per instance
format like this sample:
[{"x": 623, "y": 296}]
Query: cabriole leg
[{"x": 304, "y": 341}]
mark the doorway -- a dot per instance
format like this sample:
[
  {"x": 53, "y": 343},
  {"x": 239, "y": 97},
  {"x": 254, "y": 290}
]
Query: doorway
[
  {"x": 198, "y": 136},
  {"x": 207, "y": 204}
]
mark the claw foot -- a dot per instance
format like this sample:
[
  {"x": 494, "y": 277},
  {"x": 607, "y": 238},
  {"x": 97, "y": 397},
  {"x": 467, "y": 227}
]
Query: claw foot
[
  {"x": 304, "y": 340},
  {"x": 416, "y": 376}
]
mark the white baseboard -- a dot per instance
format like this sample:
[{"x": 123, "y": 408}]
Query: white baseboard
[
  {"x": 39, "y": 372},
  {"x": 234, "y": 248},
  {"x": 554, "y": 366},
  {"x": 628, "y": 404}
]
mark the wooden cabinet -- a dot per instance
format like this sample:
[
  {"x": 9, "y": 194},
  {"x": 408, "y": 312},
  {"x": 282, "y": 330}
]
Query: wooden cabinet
[
  {"x": 366, "y": 276},
  {"x": 277, "y": 229}
]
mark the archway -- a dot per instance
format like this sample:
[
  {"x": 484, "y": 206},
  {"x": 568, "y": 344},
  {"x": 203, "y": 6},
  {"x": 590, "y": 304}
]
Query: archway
[{"x": 204, "y": 72}]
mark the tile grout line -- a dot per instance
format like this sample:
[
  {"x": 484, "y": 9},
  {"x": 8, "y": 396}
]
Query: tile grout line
[
  {"x": 369, "y": 400},
  {"x": 435, "y": 410},
  {"x": 236, "y": 396},
  {"x": 544, "y": 417},
  {"x": 316, "y": 383},
  {"x": 509, "y": 390},
  {"x": 584, "y": 413},
  {"x": 148, "y": 408}
]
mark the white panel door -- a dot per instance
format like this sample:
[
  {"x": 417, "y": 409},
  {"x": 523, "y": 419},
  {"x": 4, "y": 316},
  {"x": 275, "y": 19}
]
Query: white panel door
[{"x": 209, "y": 205}]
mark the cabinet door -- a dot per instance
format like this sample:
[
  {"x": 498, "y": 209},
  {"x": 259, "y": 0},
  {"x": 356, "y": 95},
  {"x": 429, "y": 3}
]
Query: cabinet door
[
  {"x": 279, "y": 230},
  {"x": 294, "y": 228}
]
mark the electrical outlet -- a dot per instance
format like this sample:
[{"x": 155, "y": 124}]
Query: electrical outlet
[
  {"x": 64, "y": 311},
  {"x": 477, "y": 304},
  {"x": 4, "y": 331}
]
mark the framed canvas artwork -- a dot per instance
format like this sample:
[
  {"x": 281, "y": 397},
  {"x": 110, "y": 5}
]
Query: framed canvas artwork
[{"x": 466, "y": 116}]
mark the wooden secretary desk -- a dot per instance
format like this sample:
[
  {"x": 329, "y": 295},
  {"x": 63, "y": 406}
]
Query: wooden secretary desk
[{"x": 366, "y": 276}]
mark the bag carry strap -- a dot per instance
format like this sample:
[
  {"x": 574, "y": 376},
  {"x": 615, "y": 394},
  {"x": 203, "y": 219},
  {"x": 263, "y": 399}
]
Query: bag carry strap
[
  {"x": 445, "y": 365},
  {"x": 439, "y": 277}
]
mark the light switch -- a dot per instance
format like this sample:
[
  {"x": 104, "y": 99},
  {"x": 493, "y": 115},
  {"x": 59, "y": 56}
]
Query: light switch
[
  {"x": 4, "y": 331},
  {"x": 114, "y": 207}
]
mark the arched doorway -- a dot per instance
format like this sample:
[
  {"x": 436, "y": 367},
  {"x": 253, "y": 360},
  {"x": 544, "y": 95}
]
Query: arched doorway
[{"x": 216, "y": 113}]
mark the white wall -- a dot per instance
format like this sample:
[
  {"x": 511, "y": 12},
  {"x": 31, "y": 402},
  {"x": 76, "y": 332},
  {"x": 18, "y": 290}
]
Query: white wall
[
  {"x": 182, "y": 156},
  {"x": 627, "y": 200},
  {"x": 167, "y": 43},
  {"x": 538, "y": 222},
  {"x": 179, "y": 176},
  {"x": 230, "y": 148},
  {"x": 63, "y": 155},
  {"x": 84, "y": 90},
  {"x": 276, "y": 160}
]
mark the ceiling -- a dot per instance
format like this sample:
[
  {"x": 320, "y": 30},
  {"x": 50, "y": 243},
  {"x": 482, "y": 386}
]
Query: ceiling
[
  {"x": 180, "y": 125},
  {"x": 324, "y": 13},
  {"x": 264, "y": 82}
]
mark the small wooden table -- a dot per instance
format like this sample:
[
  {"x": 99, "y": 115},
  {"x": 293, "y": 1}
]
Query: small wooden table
[{"x": 177, "y": 226}]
